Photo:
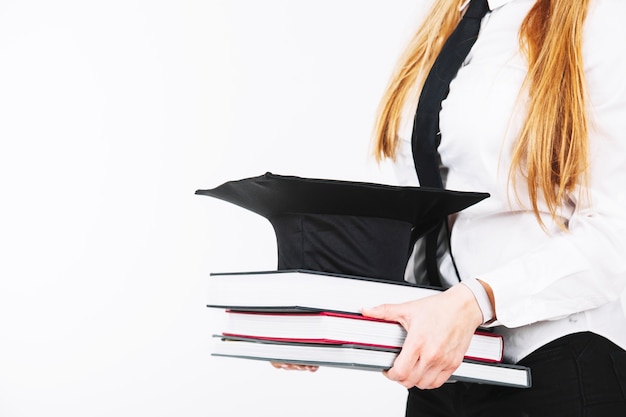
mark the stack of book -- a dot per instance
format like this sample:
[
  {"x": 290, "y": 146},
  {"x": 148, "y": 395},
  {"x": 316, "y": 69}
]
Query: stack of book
[{"x": 312, "y": 318}]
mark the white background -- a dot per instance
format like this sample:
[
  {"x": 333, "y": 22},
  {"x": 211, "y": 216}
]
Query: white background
[{"x": 112, "y": 113}]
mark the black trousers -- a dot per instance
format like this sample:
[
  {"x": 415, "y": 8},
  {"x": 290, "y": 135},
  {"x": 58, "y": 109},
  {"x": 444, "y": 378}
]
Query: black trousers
[{"x": 579, "y": 375}]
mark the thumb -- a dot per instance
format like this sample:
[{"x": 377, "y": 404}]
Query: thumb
[{"x": 383, "y": 311}]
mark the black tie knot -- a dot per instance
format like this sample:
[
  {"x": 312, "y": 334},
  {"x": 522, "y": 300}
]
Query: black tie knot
[{"x": 477, "y": 9}]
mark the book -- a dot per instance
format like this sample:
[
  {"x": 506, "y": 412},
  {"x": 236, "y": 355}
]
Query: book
[
  {"x": 329, "y": 327},
  {"x": 299, "y": 291},
  {"x": 360, "y": 357},
  {"x": 303, "y": 290}
]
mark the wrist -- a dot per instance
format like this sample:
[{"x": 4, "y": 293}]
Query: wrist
[{"x": 466, "y": 301}]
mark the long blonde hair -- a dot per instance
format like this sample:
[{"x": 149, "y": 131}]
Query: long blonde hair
[{"x": 551, "y": 151}]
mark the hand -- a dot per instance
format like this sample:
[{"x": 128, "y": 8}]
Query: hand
[
  {"x": 439, "y": 330},
  {"x": 294, "y": 367}
]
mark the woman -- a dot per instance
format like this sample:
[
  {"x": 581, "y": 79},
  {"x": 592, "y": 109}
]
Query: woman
[{"x": 536, "y": 116}]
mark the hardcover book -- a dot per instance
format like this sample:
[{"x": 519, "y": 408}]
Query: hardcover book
[
  {"x": 303, "y": 290},
  {"x": 328, "y": 327},
  {"x": 359, "y": 357}
]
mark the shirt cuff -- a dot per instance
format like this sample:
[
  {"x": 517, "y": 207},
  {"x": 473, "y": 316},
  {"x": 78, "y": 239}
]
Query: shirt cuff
[{"x": 480, "y": 294}]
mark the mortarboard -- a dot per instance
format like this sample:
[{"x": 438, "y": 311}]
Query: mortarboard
[{"x": 344, "y": 227}]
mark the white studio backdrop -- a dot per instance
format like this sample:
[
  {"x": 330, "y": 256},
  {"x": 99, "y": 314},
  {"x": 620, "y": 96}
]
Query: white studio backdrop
[{"x": 112, "y": 113}]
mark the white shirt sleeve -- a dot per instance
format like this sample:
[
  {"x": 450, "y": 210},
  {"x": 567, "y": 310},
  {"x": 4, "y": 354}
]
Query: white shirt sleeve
[{"x": 584, "y": 267}]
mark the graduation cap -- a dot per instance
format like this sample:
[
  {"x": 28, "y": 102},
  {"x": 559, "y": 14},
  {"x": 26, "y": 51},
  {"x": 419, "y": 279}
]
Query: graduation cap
[{"x": 344, "y": 227}]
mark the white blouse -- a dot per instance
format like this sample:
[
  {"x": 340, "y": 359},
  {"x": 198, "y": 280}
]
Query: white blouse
[{"x": 546, "y": 283}]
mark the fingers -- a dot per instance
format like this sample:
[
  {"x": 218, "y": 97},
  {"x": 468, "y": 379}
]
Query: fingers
[
  {"x": 439, "y": 330},
  {"x": 425, "y": 371},
  {"x": 294, "y": 367},
  {"x": 413, "y": 365}
]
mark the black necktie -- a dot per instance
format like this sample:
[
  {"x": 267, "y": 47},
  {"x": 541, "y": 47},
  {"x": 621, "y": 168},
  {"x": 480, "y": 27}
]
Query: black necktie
[{"x": 425, "y": 137}]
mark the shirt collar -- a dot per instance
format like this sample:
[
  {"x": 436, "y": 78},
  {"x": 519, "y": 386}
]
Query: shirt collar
[{"x": 494, "y": 4}]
